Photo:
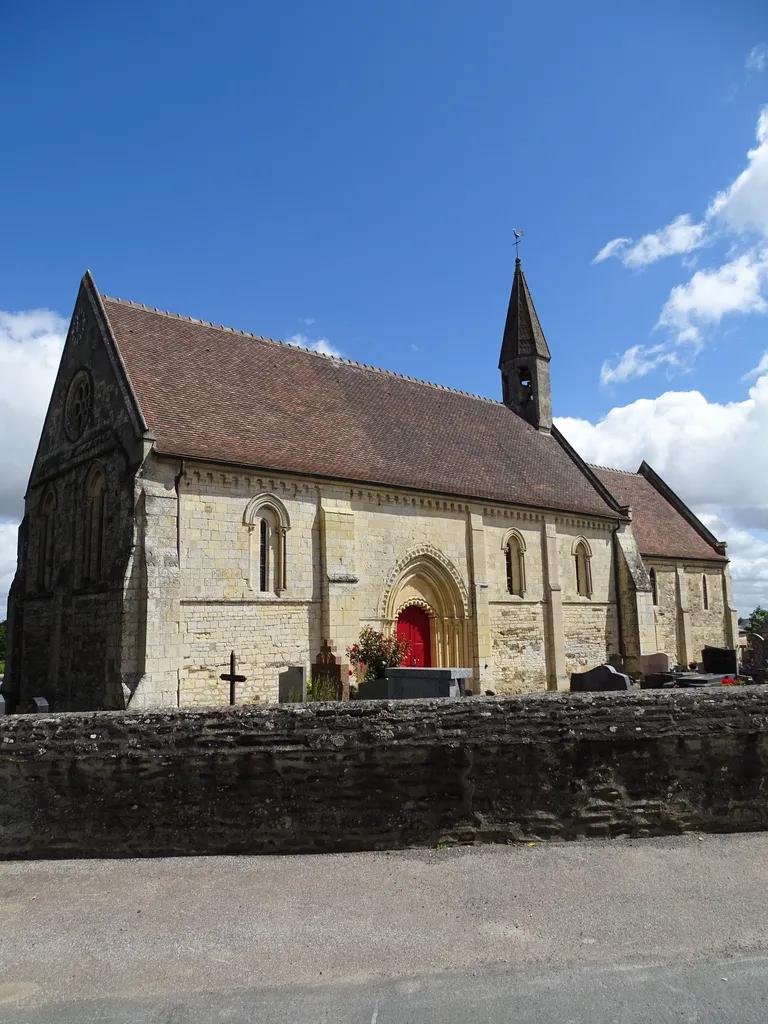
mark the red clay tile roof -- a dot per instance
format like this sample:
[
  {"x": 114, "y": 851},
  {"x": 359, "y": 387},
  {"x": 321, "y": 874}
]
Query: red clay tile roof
[
  {"x": 659, "y": 528},
  {"x": 213, "y": 393}
]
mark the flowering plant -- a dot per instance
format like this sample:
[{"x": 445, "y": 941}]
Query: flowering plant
[
  {"x": 730, "y": 681},
  {"x": 374, "y": 652}
]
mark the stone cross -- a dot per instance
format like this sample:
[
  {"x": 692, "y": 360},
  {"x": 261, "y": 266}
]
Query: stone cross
[{"x": 232, "y": 677}]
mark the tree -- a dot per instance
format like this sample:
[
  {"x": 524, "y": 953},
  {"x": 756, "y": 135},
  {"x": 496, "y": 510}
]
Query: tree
[{"x": 757, "y": 621}]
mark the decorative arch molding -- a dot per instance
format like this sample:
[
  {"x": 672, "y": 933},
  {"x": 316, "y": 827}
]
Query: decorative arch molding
[
  {"x": 269, "y": 501},
  {"x": 433, "y": 561},
  {"x": 585, "y": 544},
  {"x": 424, "y": 577},
  {"x": 267, "y": 546},
  {"x": 513, "y": 535}
]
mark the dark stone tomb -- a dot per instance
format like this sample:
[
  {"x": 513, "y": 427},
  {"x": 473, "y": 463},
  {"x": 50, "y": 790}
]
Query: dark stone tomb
[
  {"x": 600, "y": 679},
  {"x": 720, "y": 661}
]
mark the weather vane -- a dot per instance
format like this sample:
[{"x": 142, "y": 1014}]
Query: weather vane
[{"x": 518, "y": 235}]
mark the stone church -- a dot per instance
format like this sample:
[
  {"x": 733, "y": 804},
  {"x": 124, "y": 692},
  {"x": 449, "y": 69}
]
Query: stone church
[{"x": 198, "y": 490}]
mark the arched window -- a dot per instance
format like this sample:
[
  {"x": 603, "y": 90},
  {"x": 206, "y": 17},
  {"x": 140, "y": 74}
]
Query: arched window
[
  {"x": 45, "y": 544},
  {"x": 93, "y": 525},
  {"x": 654, "y": 588},
  {"x": 704, "y": 592},
  {"x": 514, "y": 556},
  {"x": 267, "y": 520},
  {"x": 582, "y": 556}
]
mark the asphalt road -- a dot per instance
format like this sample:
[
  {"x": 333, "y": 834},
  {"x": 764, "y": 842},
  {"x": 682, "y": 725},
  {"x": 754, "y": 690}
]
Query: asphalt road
[{"x": 625, "y": 931}]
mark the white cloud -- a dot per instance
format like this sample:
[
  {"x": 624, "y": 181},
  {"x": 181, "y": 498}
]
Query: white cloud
[
  {"x": 637, "y": 362},
  {"x": 8, "y": 538},
  {"x": 30, "y": 349},
  {"x": 307, "y": 320},
  {"x": 322, "y": 345},
  {"x": 743, "y": 206},
  {"x": 735, "y": 287},
  {"x": 736, "y": 215},
  {"x": 757, "y": 59},
  {"x": 681, "y": 236},
  {"x": 611, "y": 248},
  {"x": 760, "y": 369},
  {"x": 706, "y": 451}
]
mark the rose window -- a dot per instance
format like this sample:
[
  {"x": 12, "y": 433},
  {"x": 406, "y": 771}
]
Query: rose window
[{"x": 78, "y": 404}]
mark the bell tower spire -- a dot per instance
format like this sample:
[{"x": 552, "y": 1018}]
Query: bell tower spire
[{"x": 524, "y": 359}]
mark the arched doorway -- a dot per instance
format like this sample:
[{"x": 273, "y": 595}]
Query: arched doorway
[
  {"x": 425, "y": 579},
  {"x": 413, "y": 626}
]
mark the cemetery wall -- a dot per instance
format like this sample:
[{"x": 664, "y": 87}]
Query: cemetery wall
[{"x": 376, "y": 775}]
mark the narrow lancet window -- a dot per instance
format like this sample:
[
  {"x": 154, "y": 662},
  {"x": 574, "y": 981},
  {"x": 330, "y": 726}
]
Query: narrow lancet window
[
  {"x": 45, "y": 541},
  {"x": 93, "y": 533},
  {"x": 654, "y": 588},
  {"x": 704, "y": 592},
  {"x": 583, "y": 573},
  {"x": 515, "y": 565},
  {"x": 263, "y": 554}
]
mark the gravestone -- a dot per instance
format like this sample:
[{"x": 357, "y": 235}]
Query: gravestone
[
  {"x": 654, "y": 664},
  {"x": 292, "y": 684},
  {"x": 410, "y": 683},
  {"x": 2, "y": 705},
  {"x": 327, "y": 668},
  {"x": 599, "y": 680},
  {"x": 720, "y": 661},
  {"x": 39, "y": 706}
]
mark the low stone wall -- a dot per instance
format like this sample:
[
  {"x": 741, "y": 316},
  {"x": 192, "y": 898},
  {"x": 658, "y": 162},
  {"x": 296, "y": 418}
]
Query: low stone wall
[{"x": 375, "y": 775}]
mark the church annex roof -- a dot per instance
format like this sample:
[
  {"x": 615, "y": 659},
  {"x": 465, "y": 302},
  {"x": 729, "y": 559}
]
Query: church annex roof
[
  {"x": 213, "y": 393},
  {"x": 663, "y": 526}
]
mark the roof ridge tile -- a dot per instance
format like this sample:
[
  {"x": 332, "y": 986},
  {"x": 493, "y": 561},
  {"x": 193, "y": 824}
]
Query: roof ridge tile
[{"x": 302, "y": 348}]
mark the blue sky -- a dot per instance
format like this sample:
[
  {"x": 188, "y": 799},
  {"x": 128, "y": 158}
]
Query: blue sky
[{"x": 353, "y": 172}]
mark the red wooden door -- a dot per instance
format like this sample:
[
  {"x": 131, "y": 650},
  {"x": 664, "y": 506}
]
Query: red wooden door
[{"x": 413, "y": 625}]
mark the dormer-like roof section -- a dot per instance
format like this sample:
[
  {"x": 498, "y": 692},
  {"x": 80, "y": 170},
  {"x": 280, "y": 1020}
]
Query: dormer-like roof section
[
  {"x": 663, "y": 526},
  {"x": 212, "y": 393},
  {"x": 523, "y": 335}
]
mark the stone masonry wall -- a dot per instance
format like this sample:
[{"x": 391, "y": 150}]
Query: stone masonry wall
[
  {"x": 376, "y": 775},
  {"x": 696, "y": 626},
  {"x": 343, "y": 548},
  {"x": 66, "y": 629}
]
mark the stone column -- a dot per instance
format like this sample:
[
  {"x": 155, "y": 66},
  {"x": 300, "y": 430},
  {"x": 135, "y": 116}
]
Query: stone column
[
  {"x": 482, "y": 645},
  {"x": 341, "y": 616},
  {"x": 557, "y": 676},
  {"x": 158, "y": 686},
  {"x": 729, "y": 610},
  {"x": 684, "y": 644}
]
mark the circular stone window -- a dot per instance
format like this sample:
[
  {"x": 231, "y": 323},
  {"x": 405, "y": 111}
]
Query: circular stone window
[{"x": 78, "y": 407}]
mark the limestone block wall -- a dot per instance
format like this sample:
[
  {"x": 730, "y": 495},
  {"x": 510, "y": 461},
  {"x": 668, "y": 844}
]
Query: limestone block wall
[
  {"x": 683, "y": 625},
  {"x": 382, "y": 775},
  {"x": 590, "y": 623},
  {"x": 353, "y": 557}
]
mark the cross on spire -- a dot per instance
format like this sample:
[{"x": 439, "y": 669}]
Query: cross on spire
[{"x": 518, "y": 235}]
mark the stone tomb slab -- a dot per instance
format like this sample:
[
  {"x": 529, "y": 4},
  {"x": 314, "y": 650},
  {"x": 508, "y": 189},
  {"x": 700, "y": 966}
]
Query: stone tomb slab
[
  {"x": 292, "y": 684},
  {"x": 720, "y": 660},
  {"x": 655, "y": 664},
  {"x": 416, "y": 683},
  {"x": 599, "y": 680}
]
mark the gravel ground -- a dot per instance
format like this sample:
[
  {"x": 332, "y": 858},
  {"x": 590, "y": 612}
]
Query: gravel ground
[{"x": 187, "y": 939}]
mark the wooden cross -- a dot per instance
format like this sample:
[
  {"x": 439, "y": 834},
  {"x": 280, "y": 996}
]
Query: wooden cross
[{"x": 232, "y": 677}]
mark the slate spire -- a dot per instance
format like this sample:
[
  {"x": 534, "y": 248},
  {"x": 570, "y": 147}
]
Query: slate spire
[
  {"x": 523, "y": 335},
  {"x": 524, "y": 358}
]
